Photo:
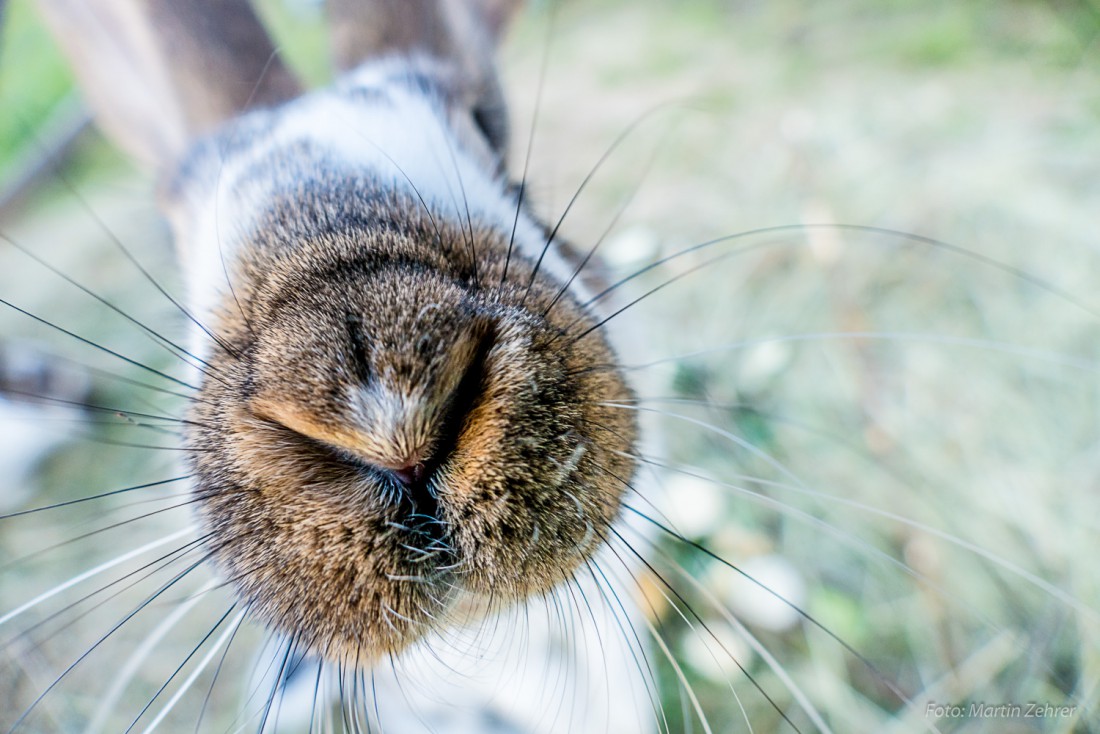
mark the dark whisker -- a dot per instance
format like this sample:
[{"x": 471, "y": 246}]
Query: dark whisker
[
  {"x": 638, "y": 648},
  {"x": 277, "y": 688},
  {"x": 470, "y": 239},
  {"x": 316, "y": 695},
  {"x": 112, "y": 493},
  {"x": 618, "y": 141},
  {"x": 100, "y": 641},
  {"x": 772, "y": 663},
  {"x": 599, "y": 637},
  {"x": 90, "y": 438},
  {"x": 238, "y": 723},
  {"x": 160, "y": 564},
  {"x": 136, "y": 383},
  {"x": 627, "y": 201},
  {"x": 180, "y": 667},
  {"x": 691, "y": 609},
  {"x": 684, "y": 687},
  {"x": 129, "y": 422},
  {"x": 416, "y": 191},
  {"x": 797, "y": 485},
  {"x": 99, "y": 408},
  {"x": 224, "y": 640},
  {"x": 272, "y": 60},
  {"x": 100, "y": 347},
  {"x": 218, "y": 669},
  {"x": 1054, "y": 358},
  {"x": 156, "y": 284},
  {"x": 159, "y": 338},
  {"x": 63, "y": 177},
  {"x": 964, "y": 252},
  {"x": 544, "y": 64},
  {"x": 881, "y": 677},
  {"x": 85, "y": 536},
  {"x": 659, "y": 287}
]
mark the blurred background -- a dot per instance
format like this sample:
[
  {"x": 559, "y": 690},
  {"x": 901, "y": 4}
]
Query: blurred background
[{"x": 897, "y": 433}]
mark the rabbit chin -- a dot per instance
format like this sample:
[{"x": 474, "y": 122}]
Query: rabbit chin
[{"x": 335, "y": 554}]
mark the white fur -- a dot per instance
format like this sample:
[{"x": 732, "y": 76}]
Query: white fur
[
  {"x": 406, "y": 143},
  {"x": 567, "y": 666}
]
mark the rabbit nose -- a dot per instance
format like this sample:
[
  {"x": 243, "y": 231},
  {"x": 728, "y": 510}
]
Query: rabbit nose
[{"x": 411, "y": 474}]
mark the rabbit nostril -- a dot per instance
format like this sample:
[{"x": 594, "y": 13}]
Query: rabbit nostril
[{"x": 410, "y": 475}]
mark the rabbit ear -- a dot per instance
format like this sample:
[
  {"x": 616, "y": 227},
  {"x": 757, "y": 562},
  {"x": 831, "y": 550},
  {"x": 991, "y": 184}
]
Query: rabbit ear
[
  {"x": 463, "y": 33},
  {"x": 159, "y": 72},
  {"x": 456, "y": 30}
]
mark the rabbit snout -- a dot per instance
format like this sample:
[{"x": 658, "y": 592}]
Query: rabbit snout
[{"x": 389, "y": 440}]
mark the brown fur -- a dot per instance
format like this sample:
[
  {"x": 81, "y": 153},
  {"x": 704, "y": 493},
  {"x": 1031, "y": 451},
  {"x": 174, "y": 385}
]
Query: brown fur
[{"x": 319, "y": 541}]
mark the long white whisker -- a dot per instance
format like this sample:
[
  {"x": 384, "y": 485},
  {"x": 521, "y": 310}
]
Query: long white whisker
[
  {"x": 92, "y": 573},
  {"x": 203, "y": 664},
  {"x": 139, "y": 656},
  {"x": 625, "y": 622},
  {"x": 685, "y": 685}
]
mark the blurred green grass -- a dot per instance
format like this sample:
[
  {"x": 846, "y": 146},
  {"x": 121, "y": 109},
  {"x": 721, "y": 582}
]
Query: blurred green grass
[{"x": 34, "y": 78}]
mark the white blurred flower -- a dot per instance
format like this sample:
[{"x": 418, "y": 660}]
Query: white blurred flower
[
  {"x": 630, "y": 247},
  {"x": 763, "y": 361},
  {"x": 716, "y": 651},
  {"x": 697, "y": 506},
  {"x": 755, "y": 605}
]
